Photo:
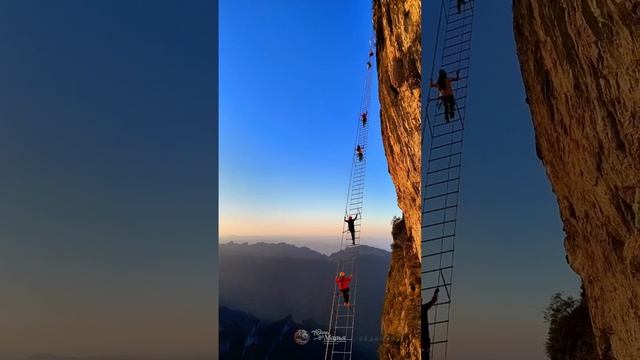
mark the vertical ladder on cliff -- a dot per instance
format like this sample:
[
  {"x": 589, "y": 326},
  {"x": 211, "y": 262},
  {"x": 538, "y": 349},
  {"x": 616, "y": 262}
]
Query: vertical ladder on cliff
[
  {"x": 342, "y": 321},
  {"x": 441, "y": 164}
]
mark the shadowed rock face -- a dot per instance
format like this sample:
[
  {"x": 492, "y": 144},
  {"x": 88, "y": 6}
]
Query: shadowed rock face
[
  {"x": 398, "y": 38},
  {"x": 580, "y": 61},
  {"x": 401, "y": 311}
]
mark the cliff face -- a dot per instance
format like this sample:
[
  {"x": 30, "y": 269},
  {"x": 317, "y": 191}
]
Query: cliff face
[
  {"x": 401, "y": 310},
  {"x": 580, "y": 61},
  {"x": 398, "y": 31}
]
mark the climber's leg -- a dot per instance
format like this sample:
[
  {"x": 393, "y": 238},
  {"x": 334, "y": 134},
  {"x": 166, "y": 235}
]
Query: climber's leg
[
  {"x": 452, "y": 107},
  {"x": 345, "y": 295}
]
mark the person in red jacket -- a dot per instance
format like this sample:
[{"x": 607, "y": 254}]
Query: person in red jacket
[{"x": 343, "y": 285}]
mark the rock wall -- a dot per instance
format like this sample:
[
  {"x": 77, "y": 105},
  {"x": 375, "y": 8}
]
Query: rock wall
[
  {"x": 398, "y": 39},
  {"x": 580, "y": 62},
  {"x": 401, "y": 310}
]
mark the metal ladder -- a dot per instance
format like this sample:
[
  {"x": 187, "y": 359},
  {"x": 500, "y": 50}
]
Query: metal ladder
[
  {"x": 342, "y": 321},
  {"x": 441, "y": 180}
]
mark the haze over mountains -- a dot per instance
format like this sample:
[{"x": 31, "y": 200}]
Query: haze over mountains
[
  {"x": 272, "y": 282},
  {"x": 326, "y": 245}
]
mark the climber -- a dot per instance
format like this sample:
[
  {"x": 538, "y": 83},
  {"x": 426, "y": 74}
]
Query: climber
[
  {"x": 343, "y": 285},
  {"x": 460, "y": 3},
  {"x": 426, "y": 340},
  {"x": 363, "y": 118},
  {"x": 351, "y": 222},
  {"x": 368, "y": 65},
  {"x": 446, "y": 92},
  {"x": 360, "y": 153},
  {"x": 371, "y": 53}
]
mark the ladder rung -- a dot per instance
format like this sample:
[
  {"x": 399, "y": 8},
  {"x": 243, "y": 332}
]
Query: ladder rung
[
  {"x": 457, "y": 44},
  {"x": 441, "y": 146},
  {"x": 440, "y": 209},
  {"x": 439, "y": 238},
  {"x": 438, "y": 223},
  {"x": 438, "y": 322},
  {"x": 455, "y": 61},
  {"x": 438, "y": 269},
  {"x": 455, "y": 53},
  {"x": 446, "y": 156},
  {"x": 441, "y": 195},
  {"x": 457, "y": 120},
  {"x": 440, "y": 170},
  {"x": 440, "y": 182},
  {"x": 447, "y": 31},
  {"x": 447, "y": 133},
  {"x": 439, "y": 342},
  {"x": 442, "y": 303},
  {"x": 438, "y": 253},
  {"x": 459, "y": 18},
  {"x": 450, "y": 121},
  {"x": 458, "y": 36},
  {"x": 437, "y": 286}
]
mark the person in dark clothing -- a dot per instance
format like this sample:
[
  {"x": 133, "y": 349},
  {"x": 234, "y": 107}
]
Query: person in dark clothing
[
  {"x": 363, "y": 118},
  {"x": 351, "y": 222},
  {"x": 460, "y": 3},
  {"x": 360, "y": 153},
  {"x": 424, "y": 317},
  {"x": 371, "y": 53},
  {"x": 343, "y": 285},
  {"x": 446, "y": 92}
]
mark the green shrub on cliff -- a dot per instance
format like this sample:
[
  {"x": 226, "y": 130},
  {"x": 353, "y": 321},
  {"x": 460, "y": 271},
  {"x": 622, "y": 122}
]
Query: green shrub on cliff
[{"x": 570, "y": 335}]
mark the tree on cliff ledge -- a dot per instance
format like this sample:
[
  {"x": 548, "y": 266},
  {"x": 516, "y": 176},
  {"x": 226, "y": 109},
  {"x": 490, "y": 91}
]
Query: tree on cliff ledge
[{"x": 570, "y": 335}]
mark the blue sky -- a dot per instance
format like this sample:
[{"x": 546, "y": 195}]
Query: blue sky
[{"x": 291, "y": 77}]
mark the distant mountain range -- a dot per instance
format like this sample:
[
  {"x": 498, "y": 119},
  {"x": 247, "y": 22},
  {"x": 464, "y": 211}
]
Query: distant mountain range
[
  {"x": 273, "y": 282},
  {"x": 280, "y": 250},
  {"x": 244, "y": 337},
  {"x": 325, "y": 245}
]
